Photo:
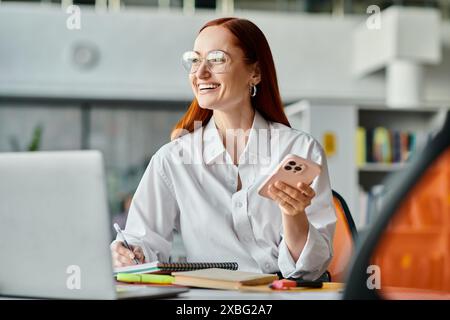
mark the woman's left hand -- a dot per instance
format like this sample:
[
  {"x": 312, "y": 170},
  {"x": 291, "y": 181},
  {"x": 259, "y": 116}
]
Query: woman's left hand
[{"x": 292, "y": 201}]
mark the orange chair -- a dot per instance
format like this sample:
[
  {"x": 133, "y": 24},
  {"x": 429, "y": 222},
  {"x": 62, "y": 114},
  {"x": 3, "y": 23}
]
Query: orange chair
[
  {"x": 409, "y": 243},
  {"x": 414, "y": 251},
  {"x": 343, "y": 240}
]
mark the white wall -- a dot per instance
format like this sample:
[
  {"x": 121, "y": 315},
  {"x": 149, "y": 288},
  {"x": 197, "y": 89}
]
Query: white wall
[{"x": 140, "y": 55}]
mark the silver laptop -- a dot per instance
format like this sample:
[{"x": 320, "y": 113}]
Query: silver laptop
[{"x": 55, "y": 229}]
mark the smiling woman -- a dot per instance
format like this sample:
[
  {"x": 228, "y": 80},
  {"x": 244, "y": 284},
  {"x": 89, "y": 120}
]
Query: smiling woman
[
  {"x": 247, "y": 55},
  {"x": 237, "y": 127}
]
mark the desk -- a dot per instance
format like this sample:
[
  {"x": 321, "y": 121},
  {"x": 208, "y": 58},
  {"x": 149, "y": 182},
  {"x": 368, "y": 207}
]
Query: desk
[
  {"x": 214, "y": 294},
  {"x": 210, "y": 294}
]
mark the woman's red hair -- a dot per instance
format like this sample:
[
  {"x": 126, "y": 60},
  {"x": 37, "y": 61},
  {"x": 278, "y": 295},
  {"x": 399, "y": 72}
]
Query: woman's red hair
[{"x": 256, "y": 49}]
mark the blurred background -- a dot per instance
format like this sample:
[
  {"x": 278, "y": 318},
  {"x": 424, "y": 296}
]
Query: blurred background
[{"x": 370, "y": 79}]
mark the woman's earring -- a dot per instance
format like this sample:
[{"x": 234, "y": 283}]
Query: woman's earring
[{"x": 253, "y": 90}]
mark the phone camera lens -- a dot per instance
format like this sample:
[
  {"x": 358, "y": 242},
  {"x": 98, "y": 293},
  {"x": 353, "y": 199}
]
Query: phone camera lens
[
  {"x": 298, "y": 168},
  {"x": 292, "y": 163},
  {"x": 288, "y": 168}
]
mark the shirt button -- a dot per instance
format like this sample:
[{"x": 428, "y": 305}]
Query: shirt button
[
  {"x": 239, "y": 204},
  {"x": 267, "y": 265}
]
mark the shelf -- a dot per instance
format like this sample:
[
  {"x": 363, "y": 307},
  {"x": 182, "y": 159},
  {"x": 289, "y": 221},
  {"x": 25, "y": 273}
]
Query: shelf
[
  {"x": 372, "y": 104},
  {"x": 423, "y": 109},
  {"x": 382, "y": 167}
]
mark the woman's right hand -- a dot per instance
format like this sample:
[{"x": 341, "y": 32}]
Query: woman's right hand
[{"x": 123, "y": 257}]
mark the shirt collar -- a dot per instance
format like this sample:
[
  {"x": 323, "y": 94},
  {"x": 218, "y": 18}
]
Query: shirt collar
[
  {"x": 213, "y": 146},
  {"x": 212, "y": 142}
]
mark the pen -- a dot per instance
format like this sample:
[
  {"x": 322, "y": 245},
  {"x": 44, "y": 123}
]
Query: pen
[
  {"x": 309, "y": 284},
  {"x": 116, "y": 226}
]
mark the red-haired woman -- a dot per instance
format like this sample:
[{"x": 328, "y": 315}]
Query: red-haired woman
[{"x": 204, "y": 182}]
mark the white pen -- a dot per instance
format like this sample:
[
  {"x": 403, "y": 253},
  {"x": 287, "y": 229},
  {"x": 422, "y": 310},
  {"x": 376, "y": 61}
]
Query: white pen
[{"x": 116, "y": 226}]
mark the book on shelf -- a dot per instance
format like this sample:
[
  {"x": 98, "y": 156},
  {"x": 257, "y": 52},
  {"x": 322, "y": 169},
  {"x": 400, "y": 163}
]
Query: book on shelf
[
  {"x": 362, "y": 220},
  {"x": 368, "y": 146},
  {"x": 361, "y": 146},
  {"x": 374, "y": 202},
  {"x": 382, "y": 150},
  {"x": 370, "y": 203}
]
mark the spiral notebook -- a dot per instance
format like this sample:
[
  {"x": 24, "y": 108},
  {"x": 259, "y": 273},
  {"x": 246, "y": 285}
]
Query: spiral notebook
[{"x": 169, "y": 267}]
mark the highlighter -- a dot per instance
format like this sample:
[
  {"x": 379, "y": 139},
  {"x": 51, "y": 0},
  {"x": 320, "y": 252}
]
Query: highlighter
[{"x": 145, "y": 278}]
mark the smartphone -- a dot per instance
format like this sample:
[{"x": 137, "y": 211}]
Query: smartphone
[{"x": 291, "y": 170}]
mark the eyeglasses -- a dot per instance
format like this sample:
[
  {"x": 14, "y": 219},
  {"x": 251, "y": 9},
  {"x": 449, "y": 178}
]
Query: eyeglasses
[{"x": 217, "y": 61}]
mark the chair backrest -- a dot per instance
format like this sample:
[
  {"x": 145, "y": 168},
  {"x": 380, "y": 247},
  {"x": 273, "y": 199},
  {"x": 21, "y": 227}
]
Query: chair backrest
[{"x": 343, "y": 241}]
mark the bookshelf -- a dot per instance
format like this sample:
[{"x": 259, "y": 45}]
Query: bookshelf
[
  {"x": 420, "y": 122},
  {"x": 356, "y": 181}
]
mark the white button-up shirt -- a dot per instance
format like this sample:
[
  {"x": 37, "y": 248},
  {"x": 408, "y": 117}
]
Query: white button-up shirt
[{"x": 191, "y": 185}]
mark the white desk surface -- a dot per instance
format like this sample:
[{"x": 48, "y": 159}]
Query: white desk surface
[
  {"x": 210, "y": 294},
  {"x": 215, "y": 294}
]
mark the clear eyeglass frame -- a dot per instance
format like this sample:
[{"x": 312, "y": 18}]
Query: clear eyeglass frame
[{"x": 217, "y": 61}]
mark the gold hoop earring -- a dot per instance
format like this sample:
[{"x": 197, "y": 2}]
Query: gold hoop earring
[{"x": 253, "y": 90}]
